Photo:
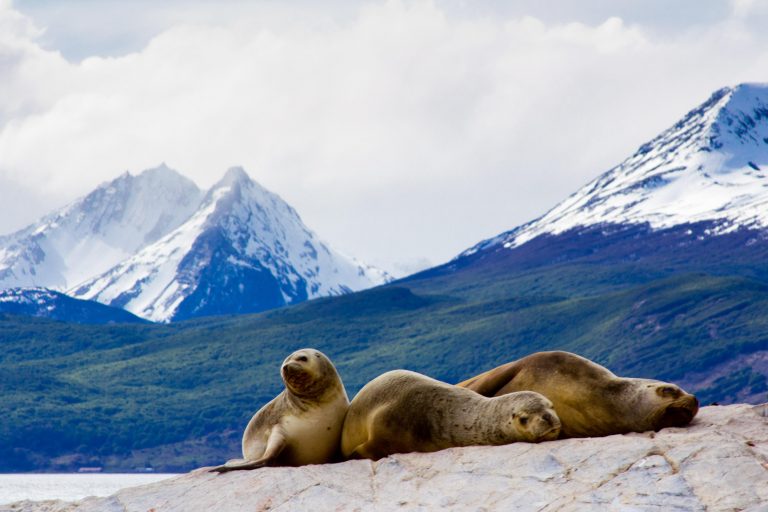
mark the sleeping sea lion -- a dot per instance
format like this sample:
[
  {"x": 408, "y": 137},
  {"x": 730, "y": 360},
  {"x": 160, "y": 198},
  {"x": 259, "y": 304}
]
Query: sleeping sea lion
[
  {"x": 403, "y": 411},
  {"x": 589, "y": 399}
]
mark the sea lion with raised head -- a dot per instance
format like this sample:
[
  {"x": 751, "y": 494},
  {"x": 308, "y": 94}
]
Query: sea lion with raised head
[
  {"x": 403, "y": 411},
  {"x": 589, "y": 399},
  {"x": 301, "y": 425}
]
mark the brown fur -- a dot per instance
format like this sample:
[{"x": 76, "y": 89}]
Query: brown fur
[
  {"x": 402, "y": 411},
  {"x": 301, "y": 425},
  {"x": 589, "y": 399}
]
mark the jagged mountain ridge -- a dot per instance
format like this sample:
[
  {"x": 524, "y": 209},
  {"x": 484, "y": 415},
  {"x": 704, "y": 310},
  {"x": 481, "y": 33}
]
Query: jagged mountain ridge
[
  {"x": 244, "y": 250},
  {"x": 156, "y": 245},
  {"x": 709, "y": 167},
  {"x": 96, "y": 232}
]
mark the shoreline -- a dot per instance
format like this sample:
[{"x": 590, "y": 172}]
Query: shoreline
[{"x": 16, "y": 487}]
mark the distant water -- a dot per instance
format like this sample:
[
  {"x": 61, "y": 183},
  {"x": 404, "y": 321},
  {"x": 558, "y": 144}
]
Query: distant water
[{"x": 68, "y": 486}]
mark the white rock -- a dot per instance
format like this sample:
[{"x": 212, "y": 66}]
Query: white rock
[{"x": 720, "y": 462}]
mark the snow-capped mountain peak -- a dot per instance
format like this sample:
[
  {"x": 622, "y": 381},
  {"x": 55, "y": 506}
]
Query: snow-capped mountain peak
[
  {"x": 710, "y": 166},
  {"x": 233, "y": 176},
  {"x": 95, "y": 232},
  {"x": 243, "y": 250}
]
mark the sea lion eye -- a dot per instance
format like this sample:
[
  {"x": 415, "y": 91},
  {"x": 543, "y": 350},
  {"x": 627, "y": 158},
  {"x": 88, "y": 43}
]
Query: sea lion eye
[
  {"x": 303, "y": 359},
  {"x": 523, "y": 420},
  {"x": 667, "y": 391}
]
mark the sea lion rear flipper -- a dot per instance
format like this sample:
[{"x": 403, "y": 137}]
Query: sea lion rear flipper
[
  {"x": 247, "y": 464},
  {"x": 492, "y": 381},
  {"x": 275, "y": 444},
  {"x": 231, "y": 465}
]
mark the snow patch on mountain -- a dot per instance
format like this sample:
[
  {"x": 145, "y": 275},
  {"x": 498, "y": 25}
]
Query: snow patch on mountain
[
  {"x": 144, "y": 283},
  {"x": 96, "y": 232},
  {"x": 710, "y": 166},
  {"x": 27, "y": 296},
  {"x": 45, "y": 303}
]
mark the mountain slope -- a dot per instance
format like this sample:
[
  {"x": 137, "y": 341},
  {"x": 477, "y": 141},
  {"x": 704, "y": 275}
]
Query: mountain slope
[
  {"x": 96, "y": 232},
  {"x": 710, "y": 166},
  {"x": 44, "y": 303},
  {"x": 177, "y": 396},
  {"x": 244, "y": 250}
]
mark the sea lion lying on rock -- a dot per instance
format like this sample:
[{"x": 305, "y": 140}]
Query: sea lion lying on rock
[
  {"x": 301, "y": 425},
  {"x": 403, "y": 411},
  {"x": 589, "y": 399}
]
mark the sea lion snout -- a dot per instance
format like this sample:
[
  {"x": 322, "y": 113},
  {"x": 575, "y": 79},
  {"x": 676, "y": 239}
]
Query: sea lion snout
[
  {"x": 551, "y": 419},
  {"x": 539, "y": 423},
  {"x": 292, "y": 367},
  {"x": 680, "y": 412},
  {"x": 300, "y": 356},
  {"x": 295, "y": 375},
  {"x": 549, "y": 427}
]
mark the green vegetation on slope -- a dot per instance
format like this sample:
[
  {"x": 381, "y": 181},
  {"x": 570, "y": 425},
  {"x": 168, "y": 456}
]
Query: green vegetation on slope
[{"x": 125, "y": 396}]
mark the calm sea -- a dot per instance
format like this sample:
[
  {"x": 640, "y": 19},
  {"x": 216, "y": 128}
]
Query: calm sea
[{"x": 68, "y": 486}]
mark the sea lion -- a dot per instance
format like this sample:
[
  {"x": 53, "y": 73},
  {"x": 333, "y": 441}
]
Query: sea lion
[
  {"x": 301, "y": 425},
  {"x": 403, "y": 411},
  {"x": 589, "y": 399}
]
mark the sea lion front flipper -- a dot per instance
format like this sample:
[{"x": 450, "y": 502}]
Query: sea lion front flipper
[{"x": 275, "y": 444}]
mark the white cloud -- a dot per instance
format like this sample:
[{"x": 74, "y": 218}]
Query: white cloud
[
  {"x": 24, "y": 66},
  {"x": 401, "y": 133}
]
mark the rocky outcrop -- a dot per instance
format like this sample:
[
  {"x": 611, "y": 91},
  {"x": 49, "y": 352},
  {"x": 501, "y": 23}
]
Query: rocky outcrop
[{"x": 720, "y": 462}]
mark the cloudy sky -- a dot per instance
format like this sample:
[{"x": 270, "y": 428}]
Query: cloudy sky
[{"x": 402, "y": 131}]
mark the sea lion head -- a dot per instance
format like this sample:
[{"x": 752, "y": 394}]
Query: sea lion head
[
  {"x": 666, "y": 405},
  {"x": 308, "y": 373},
  {"x": 534, "y": 419}
]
